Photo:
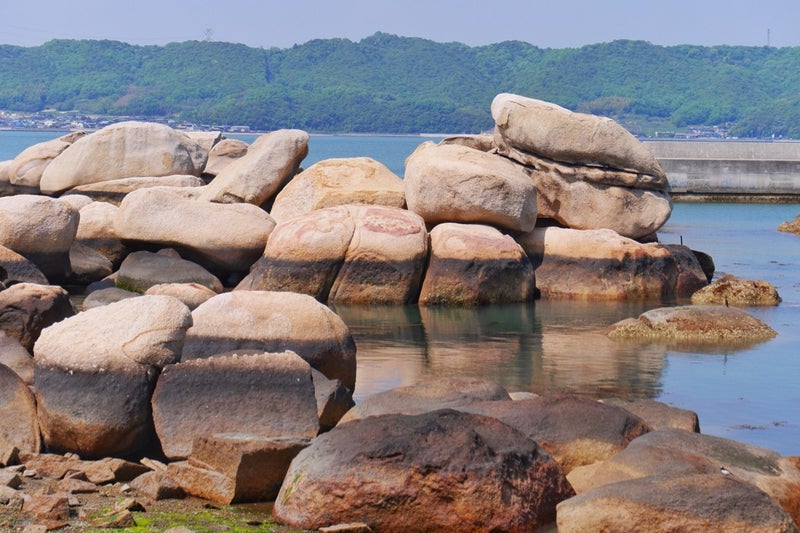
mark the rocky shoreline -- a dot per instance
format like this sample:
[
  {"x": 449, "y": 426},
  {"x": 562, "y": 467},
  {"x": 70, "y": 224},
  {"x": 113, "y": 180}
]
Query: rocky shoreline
[{"x": 205, "y": 362}]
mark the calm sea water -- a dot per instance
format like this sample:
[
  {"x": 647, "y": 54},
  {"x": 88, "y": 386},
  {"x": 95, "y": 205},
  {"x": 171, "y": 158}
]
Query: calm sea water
[{"x": 750, "y": 394}]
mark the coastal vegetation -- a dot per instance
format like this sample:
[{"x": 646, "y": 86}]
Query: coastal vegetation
[{"x": 391, "y": 84}]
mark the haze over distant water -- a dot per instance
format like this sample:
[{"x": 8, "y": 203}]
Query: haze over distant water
[{"x": 568, "y": 23}]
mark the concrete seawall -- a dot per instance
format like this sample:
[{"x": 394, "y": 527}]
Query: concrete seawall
[{"x": 751, "y": 171}]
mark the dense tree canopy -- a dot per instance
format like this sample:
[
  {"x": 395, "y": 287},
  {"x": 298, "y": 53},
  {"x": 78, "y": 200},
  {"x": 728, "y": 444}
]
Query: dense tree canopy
[{"x": 385, "y": 83}]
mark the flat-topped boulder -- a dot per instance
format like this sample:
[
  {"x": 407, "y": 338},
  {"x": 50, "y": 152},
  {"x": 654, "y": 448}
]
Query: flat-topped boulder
[
  {"x": 142, "y": 270},
  {"x": 353, "y": 180},
  {"x": 444, "y": 471},
  {"x": 350, "y": 253},
  {"x": 271, "y": 160},
  {"x": 124, "y": 150},
  {"x": 266, "y": 395},
  {"x": 548, "y": 130},
  {"x": 273, "y": 322},
  {"x": 697, "y": 324},
  {"x": 603, "y": 265},
  {"x": 223, "y": 238},
  {"x": 95, "y": 373},
  {"x": 473, "y": 264},
  {"x": 41, "y": 229},
  {"x": 456, "y": 183},
  {"x": 731, "y": 290}
]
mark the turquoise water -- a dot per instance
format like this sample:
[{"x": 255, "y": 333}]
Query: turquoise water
[{"x": 750, "y": 395}]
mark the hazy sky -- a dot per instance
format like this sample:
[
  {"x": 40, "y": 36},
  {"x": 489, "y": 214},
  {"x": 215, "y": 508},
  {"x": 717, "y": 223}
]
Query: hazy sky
[{"x": 268, "y": 23}]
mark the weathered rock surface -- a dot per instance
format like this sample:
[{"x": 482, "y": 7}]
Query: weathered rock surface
[
  {"x": 255, "y": 464},
  {"x": 443, "y": 470},
  {"x": 601, "y": 264},
  {"x": 659, "y": 415},
  {"x": 142, "y": 270},
  {"x": 472, "y": 264},
  {"x": 41, "y": 229},
  {"x": 16, "y": 358},
  {"x": 267, "y": 395},
  {"x": 19, "y": 426},
  {"x": 108, "y": 295},
  {"x": 730, "y": 290},
  {"x": 676, "y": 452},
  {"x": 332, "y": 182},
  {"x": 701, "y": 324},
  {"x": 191, "y": 294},
  {"x": 273, "y": 322},
  {"x": 575, "y": 431},
  {"x": 427, "y": 395},
  {"x": 353, "y": 253},
  {"x": 88, "y": 265},
  {"x": 270, "y": 161},
  {"x": 124, "y": 150},
  {"x": 453, "y": 183},
  {"x": 95, "y": 373},
  {"x": 27, "y": 167},
  {"x": 550, "y": 131},
  {"x": 221, "y": 238},
  {"x": 711, "y": 502},
  {"x": 792, "y": 226},
  {"x": 96, "y": 230},
  {"x": 223, "y": 154},
  {"x": 114, "y": 191},
  {"x": 14, "y": 268},
  {"x": 27, "y": 308},
  {"x": 333, "y": 399}
]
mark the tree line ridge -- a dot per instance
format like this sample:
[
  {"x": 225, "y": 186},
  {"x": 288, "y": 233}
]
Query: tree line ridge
[{"x": 391, "y": 84}]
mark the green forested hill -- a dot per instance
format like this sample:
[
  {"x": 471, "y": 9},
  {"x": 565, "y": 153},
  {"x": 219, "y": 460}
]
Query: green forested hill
[{"x": 391, "y": 84}]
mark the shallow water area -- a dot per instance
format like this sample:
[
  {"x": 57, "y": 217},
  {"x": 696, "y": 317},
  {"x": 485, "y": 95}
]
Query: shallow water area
[{"x": 748, "y": 394}]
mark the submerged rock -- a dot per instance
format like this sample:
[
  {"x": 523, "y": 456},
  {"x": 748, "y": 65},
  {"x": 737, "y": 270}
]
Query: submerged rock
[
  {"x": 730, "y": 290},
  {"x": 701, "y": 324}
]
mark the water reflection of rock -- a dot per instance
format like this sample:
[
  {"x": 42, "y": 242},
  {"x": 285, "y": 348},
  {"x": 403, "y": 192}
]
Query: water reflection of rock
[{"x": 538, "y": 347}]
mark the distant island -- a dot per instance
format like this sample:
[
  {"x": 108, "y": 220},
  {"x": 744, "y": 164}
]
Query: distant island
[{"x": 390, "y": 84}]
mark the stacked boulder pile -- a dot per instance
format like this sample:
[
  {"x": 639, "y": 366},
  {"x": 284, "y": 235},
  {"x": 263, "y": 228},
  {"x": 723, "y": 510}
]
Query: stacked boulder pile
[{"x": 203, "y": 348}]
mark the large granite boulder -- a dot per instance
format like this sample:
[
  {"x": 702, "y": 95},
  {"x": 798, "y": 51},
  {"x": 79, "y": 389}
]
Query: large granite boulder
[
  {"x": 590, "y": 173},
  {"x": 142, "y": 270},
  {"x": 15, "y": 268},
  {"x": 114, "y": 191},
  {"x": 223, "y": 154},
  {"x": 550, "y": 131},
  {"x": 694, "y": 324},
  {"x": 574, "y": 430},
  {"x": 603, "y": 265},
  {"x": 676, "y": 452},
  {"x": 455, "y": 183},
  {"x": 27, "y": 167},
  {"x": 27, "y": 308},
  {"x": 96, "y": 230},
  {"x": 730, "y": 290},
  {"x": 255, "y": 177},
  {"x": 658, "y": 415},
  {"x": 472, "y": 264},
  {"x": 354, "y": 180},
  {"x": 664, "y": 504},
  {"x": 41, "y": 229},
  {"x": 222, "y": 238},
  {"x": 19, "y": 426},
  {"x": 427, "y": 395},
  {"x": 95, "y": 373},
  {"x": 266, "y": 395},
  {"x": 273, "y": 322},
  {"x": 351, "y": 253},
  {"x": 443, "y": 471},
  {"x": 124, "y": 150}
]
